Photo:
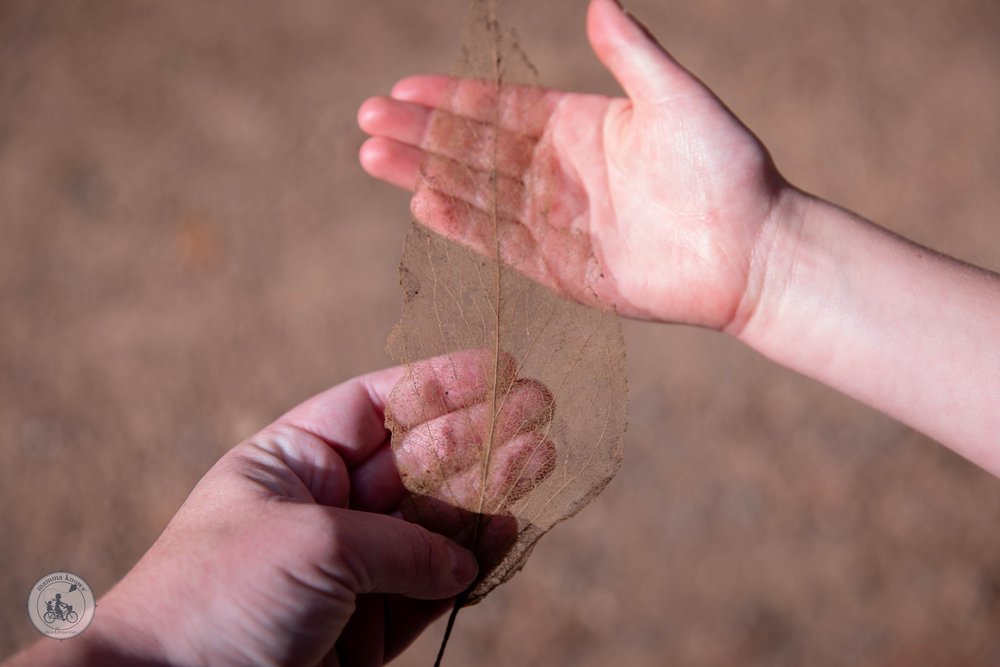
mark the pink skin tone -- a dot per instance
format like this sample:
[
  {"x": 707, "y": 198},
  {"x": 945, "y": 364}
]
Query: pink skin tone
[
  {"x": 289, "y": 551},
  {"x": 678, "y": 215},
  {"x": 685, "y": 219}
]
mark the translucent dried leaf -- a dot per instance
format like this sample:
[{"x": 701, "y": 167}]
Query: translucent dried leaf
[{"x": 518, "y": 421}]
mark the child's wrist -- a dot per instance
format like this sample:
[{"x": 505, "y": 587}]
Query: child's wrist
[{"x": 773, "y": 258}]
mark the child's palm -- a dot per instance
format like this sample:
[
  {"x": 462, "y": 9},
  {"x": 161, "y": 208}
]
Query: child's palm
[{"x": 651, "y": 205}]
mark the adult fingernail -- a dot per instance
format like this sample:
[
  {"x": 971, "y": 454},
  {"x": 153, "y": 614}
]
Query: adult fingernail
[{"x": 463, "y": 565}]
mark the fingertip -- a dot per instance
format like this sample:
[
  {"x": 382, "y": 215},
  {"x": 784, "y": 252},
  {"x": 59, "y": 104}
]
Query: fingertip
[
  {"x": 443, "y": 214},
  {"x": 370, "y": 112},
  {"x": 429, "y": 207},
  {"x": 608, "y": 32},
  {"x": 404, "y": 89},
  {"x": 534, "y": 404},
  {"x": 372, "y": 155},
  {"x": 531, "y": 460},
  {"x": 506, "y": 370},
  {"x": 391, "y": 161},
  {"x": 543, "y": 459},
  {"x": 386, "y": 555},
  {"x": 531, "y": 455},
  {"x": 600, "y": 14},
  {"x": 380, "y": 383},
  {"x": 629, "y": 50}
]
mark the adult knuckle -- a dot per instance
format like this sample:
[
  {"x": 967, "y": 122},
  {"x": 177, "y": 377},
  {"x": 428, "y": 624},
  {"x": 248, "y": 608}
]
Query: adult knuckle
[{"x": 424, "y": 553}]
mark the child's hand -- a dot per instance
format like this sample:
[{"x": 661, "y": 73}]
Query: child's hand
[
  {"x": 664, "y": 206},
  {"x": 654, "y": 204}
]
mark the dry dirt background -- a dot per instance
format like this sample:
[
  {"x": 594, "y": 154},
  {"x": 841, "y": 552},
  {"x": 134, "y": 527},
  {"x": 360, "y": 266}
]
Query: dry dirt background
[{"x": 188, "y": 248}]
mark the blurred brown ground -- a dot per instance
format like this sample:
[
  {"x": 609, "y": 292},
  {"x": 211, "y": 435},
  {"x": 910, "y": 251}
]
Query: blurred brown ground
[{"x": 188, "y": 248}]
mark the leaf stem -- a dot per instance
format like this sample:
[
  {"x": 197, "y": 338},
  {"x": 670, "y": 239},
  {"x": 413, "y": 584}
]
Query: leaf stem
[{"x": 459, "y": 603}]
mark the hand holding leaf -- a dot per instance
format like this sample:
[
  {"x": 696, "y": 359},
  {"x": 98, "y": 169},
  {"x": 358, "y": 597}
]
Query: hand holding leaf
[
  {"x": 440, "y": 416},
  {"x": 518, "y": 421}
]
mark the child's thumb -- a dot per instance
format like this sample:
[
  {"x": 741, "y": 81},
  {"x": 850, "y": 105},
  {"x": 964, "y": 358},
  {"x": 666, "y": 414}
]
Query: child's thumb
[{"x": 640, "y": 64}]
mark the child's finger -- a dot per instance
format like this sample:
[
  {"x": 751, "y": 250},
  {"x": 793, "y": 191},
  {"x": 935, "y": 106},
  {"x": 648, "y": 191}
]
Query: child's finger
[
  {"x": 476, "y": 187},
  {"x": 641, "y": 65},
  {"x": 464, "y": 139},
  {"x": 479, "y": 231},
  {"x": 479, "y": 144},
  {"x": 402, "y": 121},
  {"x": 521, "y": 109},
  {"x": 392, "y": 161},
  {"x": 426, "y": 89}
]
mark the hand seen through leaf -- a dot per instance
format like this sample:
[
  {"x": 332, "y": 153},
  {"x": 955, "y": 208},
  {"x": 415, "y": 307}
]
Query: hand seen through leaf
[
  {"x": 652, "y": 205},
  {"x": 442, "y": 432},
  {"x": 283, "y": 554}
]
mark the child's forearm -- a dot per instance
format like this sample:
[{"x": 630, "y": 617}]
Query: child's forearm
[{"x": 904, "y": 329}]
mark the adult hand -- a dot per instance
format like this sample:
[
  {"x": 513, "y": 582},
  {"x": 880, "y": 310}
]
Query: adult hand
[
  {"x": 284, "y": 554},
  {"x": 265, "y": 563},
  {"x": 653, "y": 204}
]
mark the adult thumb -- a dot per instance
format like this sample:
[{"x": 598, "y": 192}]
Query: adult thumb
[
  {"x": 641, "y": 65},
  {"x": 388, "y": 555}
]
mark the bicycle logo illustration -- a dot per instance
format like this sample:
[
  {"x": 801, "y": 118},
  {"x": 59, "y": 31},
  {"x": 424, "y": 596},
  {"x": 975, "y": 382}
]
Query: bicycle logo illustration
[
  {"x": 56, "y": 609},
  {"x": 61, "y": 605}
]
